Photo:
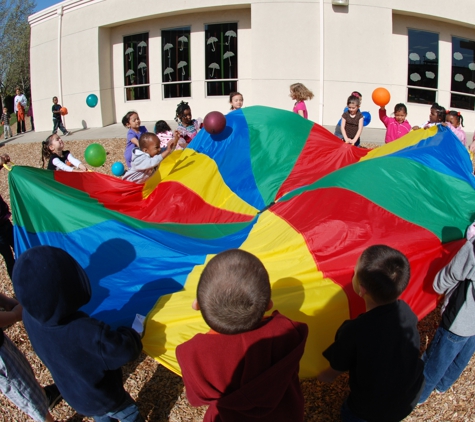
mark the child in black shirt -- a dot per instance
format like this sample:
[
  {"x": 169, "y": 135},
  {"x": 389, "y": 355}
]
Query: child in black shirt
[{"x": 379, "y": 348}]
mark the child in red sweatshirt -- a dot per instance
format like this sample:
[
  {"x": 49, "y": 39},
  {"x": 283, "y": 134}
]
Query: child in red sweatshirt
[{"x": 246, "y": 367}]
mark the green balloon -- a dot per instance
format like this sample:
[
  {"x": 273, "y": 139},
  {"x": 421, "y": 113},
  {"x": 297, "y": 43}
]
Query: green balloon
[{"x": 95, "y": 155}]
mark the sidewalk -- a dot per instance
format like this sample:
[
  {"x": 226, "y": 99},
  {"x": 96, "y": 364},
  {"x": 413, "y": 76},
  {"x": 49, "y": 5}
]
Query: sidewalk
[
  {"x": 112, "y": 131},
  {"x": 117, "y": 130}
]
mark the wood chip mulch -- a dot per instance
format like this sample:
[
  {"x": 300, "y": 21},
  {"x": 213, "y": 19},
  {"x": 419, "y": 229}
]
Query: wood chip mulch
[{"x": 160, "y": 393}]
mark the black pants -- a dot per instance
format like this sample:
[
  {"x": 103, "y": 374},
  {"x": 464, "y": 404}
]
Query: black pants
[
  {"x": 20, "y": 126},
  {"x": 6, "y": 245}
]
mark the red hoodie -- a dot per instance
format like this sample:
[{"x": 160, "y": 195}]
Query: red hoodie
[{"x": 247, "y": 376}]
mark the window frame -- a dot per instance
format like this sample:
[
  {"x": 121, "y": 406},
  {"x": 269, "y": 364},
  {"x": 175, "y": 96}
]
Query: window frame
[
  {"x": 186, "y": 29},
  {"x": 454, "y": 103},
  {"x": 207, "y": 45},
  {"x": 124, "y": 74},
  {"x": 414, "y": 86}
]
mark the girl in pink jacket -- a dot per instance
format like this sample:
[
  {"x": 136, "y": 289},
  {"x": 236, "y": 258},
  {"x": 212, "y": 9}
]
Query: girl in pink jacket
[
  {"x": 396, "y": 126},
  {"x": 454, "y": 120}
]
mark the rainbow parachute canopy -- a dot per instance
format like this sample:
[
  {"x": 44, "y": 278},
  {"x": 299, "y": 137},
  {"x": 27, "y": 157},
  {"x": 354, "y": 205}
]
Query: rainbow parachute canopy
[{"x": 273, "y": 184}]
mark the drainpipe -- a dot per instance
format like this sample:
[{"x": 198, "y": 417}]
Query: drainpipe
[
  {"x": 320, "y": 113},
  {"x": 60, "y": 75}
]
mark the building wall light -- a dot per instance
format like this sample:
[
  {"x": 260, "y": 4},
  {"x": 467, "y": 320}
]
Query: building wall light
[{"x": 340, "y": 2}]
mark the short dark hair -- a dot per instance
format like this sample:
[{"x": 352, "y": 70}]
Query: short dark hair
[
  {"x": 456, "y": 114},
  {"x": 400, "y": 107},
  {"x": 161, "y": 126},
  {"x": 233, "y": 292},
  {"x": 384, "y": 272},
  {"x": 126, "y": 118},
  {"x": 147, "y": 137},
  {"x": 233, "y": 94},
  {"x": 440, "y": 111}
]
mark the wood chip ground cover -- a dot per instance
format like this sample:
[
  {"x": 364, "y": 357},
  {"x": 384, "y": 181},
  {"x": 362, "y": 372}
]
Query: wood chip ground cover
[{"x": 160, "y": 393}]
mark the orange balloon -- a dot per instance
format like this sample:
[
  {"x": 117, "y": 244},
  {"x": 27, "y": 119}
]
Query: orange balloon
[
  {"x": 381, "y": 96},
  {"x": 63, "y": 111}
]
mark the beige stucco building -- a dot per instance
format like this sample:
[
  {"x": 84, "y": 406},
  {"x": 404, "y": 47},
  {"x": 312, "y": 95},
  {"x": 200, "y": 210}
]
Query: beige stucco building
[{"x": 148, "y": 55}]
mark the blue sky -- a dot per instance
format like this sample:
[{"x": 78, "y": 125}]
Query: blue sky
[{"x": 43, "y": 4}]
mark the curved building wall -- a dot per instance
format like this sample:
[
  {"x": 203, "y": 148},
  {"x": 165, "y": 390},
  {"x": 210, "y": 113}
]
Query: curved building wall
[{"x": 77, "y": 48}]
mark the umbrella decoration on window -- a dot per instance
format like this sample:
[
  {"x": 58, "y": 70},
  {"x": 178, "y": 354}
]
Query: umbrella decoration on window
[
  {"x": 142, "y": 66},
  {"x": 141, "y": 44},
  {"x": 181, "y": 65},
  {"x": 183, "y": 40},
  {"x": 230, "y": 34},
  {"x": 168, "y": 47},
  {"x": 129, "y": 51},
  {"x": 212, "y": 40},
  {"x": 131, "y": 74},
  {"x": 228, "y": 55},
  {"x": 168, "y": 71},
  {"x": 213, "y": 66}
]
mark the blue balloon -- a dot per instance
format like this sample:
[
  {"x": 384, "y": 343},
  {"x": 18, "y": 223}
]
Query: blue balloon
[
  {"x": 366, "y": 118},
  {"x": 92, "y": 100},
  {"x": 118, "y": 169}
]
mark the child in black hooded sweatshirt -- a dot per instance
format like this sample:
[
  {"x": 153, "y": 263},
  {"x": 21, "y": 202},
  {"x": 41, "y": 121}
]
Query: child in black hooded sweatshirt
[{"x": 84, "y": 355}]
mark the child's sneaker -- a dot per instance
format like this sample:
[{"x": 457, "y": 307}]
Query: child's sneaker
[
  {"x": 439, "y": 392},
  {"x": 53, "y": 394}
]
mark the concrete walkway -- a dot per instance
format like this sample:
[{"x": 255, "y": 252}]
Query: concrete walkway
[
  {"x": 112, "y": 131},
  {"x": 117, "y": 130}
]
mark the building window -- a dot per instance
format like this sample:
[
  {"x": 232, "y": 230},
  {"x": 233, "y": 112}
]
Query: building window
[
  {"x": 176, "y": 63},
  {"x": 423, "y": 67},
  {"x": 136, "y": 81},
  {"x": 463, "y": 74},
  {"x": 221, "y": 58}
]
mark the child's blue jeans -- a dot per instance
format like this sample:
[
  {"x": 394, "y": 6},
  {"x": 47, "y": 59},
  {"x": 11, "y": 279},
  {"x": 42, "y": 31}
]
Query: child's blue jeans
[
  {"x": 127, "y": 412},
  {"x": 58, "y": 123},
  {"x": 445, "y": 359}
]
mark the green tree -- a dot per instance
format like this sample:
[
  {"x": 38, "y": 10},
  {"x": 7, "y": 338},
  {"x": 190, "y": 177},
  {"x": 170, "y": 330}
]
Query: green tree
[{"x": 15, "y": 40}]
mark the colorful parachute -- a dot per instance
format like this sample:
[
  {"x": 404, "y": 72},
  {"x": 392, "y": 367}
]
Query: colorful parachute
[{"x": 273, "y": 184}]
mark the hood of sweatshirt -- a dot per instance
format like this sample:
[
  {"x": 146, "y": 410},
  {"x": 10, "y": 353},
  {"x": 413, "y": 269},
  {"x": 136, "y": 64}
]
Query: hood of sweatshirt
[{"x": 50, "y": 285}]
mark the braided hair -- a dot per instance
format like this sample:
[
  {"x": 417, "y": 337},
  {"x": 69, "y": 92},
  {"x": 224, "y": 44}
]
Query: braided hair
[
  {"x": 456, "y": 114},
  {"x": 180, "y": 110}
]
